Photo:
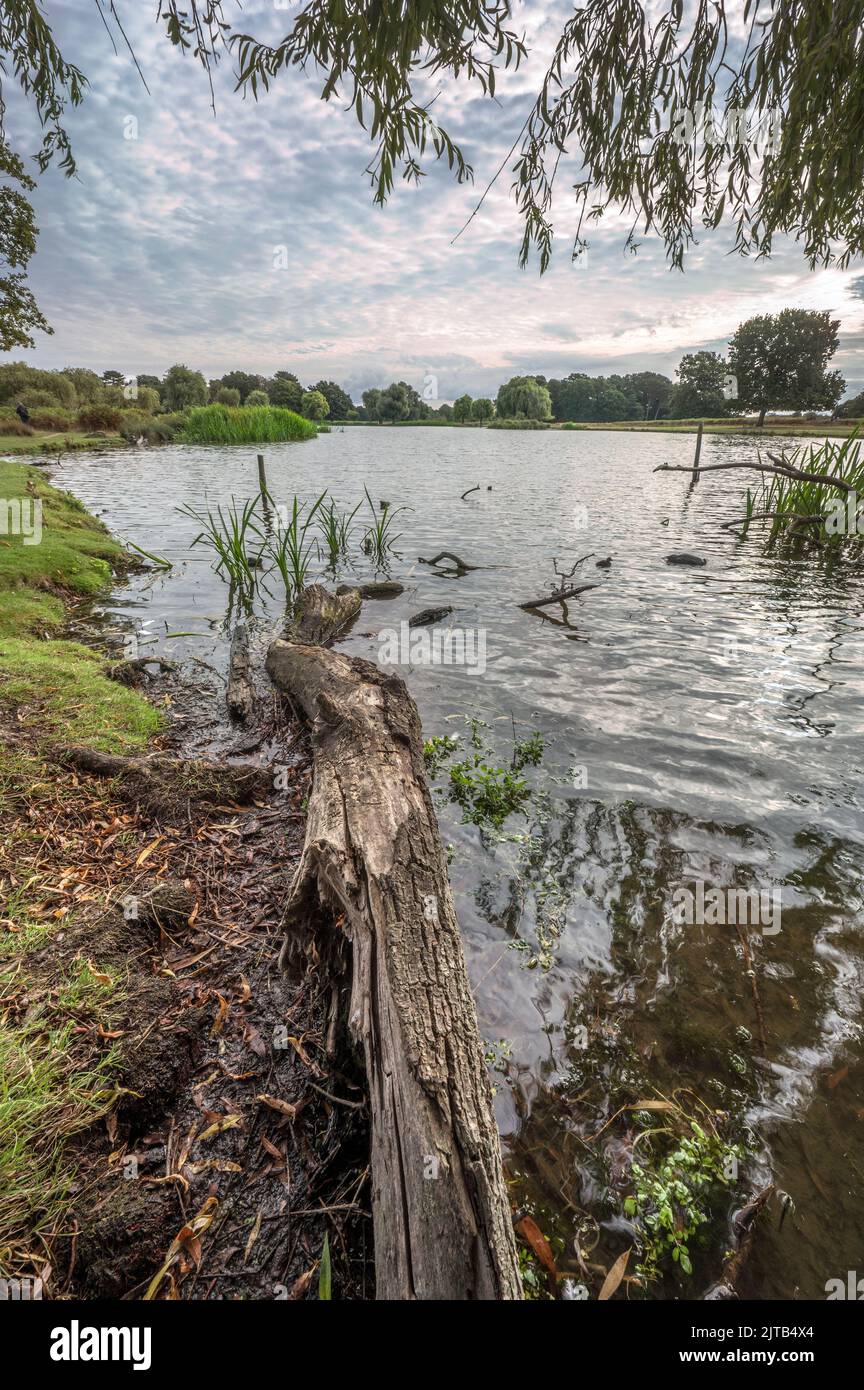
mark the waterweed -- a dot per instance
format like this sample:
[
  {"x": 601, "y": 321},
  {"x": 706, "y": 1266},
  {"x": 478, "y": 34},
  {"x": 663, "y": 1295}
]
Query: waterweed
[
  {"x": 691, "y": 1161},
  {"x": 379, "y": 540}
]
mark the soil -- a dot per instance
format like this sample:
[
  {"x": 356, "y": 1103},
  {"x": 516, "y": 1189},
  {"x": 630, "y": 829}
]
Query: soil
[{"x": 240, "y": 1141}]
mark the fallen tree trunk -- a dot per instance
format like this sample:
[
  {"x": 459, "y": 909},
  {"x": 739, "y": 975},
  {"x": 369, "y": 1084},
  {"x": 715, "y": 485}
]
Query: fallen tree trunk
[
  {"x": 319, "y": 616},
  {"x": 441, "y": 1217}
]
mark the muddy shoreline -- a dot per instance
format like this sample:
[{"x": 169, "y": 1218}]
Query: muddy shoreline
[{"x": 214, "y": 1027}]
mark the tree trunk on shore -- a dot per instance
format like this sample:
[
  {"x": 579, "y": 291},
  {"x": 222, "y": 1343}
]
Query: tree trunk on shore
[{"x": 442, "y": 1222}]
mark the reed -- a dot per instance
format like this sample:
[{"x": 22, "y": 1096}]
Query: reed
[
  {"x": 379, "y": 539},
  {"x": 265, "y": 424},
  {"x": 336, "y": 529},
  {"x": 235, "y": 538},
  {"x": 798, "y": 506},
  {"x": 292, "y": 549}
]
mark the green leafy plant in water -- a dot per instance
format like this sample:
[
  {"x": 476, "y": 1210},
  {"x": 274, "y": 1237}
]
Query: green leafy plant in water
[
  {"x": 292, "y": 549},
  {"x": 487, "y": 794},
  {"x": 437, "y": 750},
  {"x": 672, "y": 1197},
  {"x": 528, "y": 752},
  {"x": 235, "y": 538}
]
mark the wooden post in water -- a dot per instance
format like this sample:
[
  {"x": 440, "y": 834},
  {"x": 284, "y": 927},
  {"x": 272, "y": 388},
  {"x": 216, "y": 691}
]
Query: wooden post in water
[
  {"x": 265, "y": 493},
  {"x": 698, "y": 452}
]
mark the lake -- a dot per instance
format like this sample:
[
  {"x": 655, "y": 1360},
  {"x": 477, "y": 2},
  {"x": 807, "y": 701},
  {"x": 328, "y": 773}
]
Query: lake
[{"x": 699, "y": 725}]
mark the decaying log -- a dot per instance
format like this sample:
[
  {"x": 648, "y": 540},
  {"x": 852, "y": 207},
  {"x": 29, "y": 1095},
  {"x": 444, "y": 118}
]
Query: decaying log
[
  {"x": 376, "y": 588},
  {"x": 558, "y": 596},
  {"x": 373, "y": 858},
  {"x": 319, "y": 616},
  {"x": 428, "y": 615},
  {"x": 163, "y": 786},
  {"x": 241, "y": 692}
]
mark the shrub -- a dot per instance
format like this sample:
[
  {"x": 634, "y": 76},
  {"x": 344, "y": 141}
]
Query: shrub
[
  {"x": 256, "y": 399},
  {"x": 12, "y": 425},
  {"x": 100, "y": 417},
  {"x": 227, "y": 395},
  {"x": 53, "y": 420}
]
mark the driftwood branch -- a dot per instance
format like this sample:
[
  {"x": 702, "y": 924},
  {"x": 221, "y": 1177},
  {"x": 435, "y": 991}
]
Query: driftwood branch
[
  {"x": 781, "y": 468},
  {"x": 448, "y": 555},
  {"x": 558, "y": 596},
  {"x": 475, "y": 488},
  {"x": 373, "y": 861}
]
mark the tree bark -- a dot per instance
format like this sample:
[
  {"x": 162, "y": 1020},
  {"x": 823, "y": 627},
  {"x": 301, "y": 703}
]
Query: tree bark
[
  {"x": 240, "y": 694},
  {"x": 373, "y": 856},
  {"x": 319, "y": 616}
]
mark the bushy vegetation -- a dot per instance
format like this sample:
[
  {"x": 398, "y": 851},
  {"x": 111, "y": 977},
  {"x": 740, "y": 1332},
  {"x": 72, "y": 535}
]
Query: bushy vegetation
[{"x": 225, "y": 424}]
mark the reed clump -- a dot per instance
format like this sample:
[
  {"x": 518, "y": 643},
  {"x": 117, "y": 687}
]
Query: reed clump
[{"x": 264, "y": 424}]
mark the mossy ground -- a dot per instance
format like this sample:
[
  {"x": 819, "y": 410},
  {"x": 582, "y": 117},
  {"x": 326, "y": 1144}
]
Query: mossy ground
[{"x": 57, "y": 1055}]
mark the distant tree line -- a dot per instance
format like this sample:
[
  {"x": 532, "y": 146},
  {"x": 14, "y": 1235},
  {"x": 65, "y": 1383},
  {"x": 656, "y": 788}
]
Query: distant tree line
[{"x": 774, "y": 362}]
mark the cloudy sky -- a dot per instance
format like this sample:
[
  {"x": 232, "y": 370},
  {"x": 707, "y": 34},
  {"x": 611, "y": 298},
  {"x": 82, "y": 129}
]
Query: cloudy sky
[{"x": 248, "y": 239}]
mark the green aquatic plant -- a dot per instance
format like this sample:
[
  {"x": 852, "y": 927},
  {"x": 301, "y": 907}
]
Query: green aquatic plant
[
  {"x": 292, "y": 548},
  {"x": 528, "y": 752},
  {"x": 487, "y": 794},
  {"x": 235, "y": 538},
  {"x": 379, "y": 540},
  {"x": 263, "y": 424},
  {"x": 822, "y": 507},
  {"x": 437, "y": 750},
  {"x": 690, "y": 1163}
]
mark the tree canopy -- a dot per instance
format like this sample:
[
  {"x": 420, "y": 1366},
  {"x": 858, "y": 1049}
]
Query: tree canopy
[
  {"x": 679, "y": 115},
  {"x": 780, "y": 361}
]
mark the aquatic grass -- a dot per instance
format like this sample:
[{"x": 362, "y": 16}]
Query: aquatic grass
[
  {"x": 379, "y": 540},
  {"x": 336, "y": 529},
  {"x": 292, "y": 549},
  {"x": 809, "y": 507},
  {"x": 235, "y": 538},
  {"x": 264, "y": 424}
]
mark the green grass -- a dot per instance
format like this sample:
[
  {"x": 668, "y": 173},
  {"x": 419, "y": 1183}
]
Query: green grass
[
  {"x": 60, "y": 690},
  {"x": 75, "y": 552},
  {"x": 227, "y": 424},
  {"x": 56, "y": 1074},
  {"x": 52, "y": 442},
  {"x": 48, "y": 1093}
]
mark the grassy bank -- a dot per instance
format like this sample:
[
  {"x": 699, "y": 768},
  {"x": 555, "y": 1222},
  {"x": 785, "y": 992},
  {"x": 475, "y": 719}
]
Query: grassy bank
[
  {"x": 57, "y": 1006},
  {"x": 53, "y": 442}
]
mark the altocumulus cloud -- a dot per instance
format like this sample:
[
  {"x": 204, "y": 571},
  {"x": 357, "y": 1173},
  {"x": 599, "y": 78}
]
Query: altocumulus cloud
[{"x": 163, "y": 249}]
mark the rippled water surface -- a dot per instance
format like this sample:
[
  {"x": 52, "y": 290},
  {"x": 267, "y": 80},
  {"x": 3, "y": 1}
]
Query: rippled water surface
[{"x": 699, "y": 724}]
